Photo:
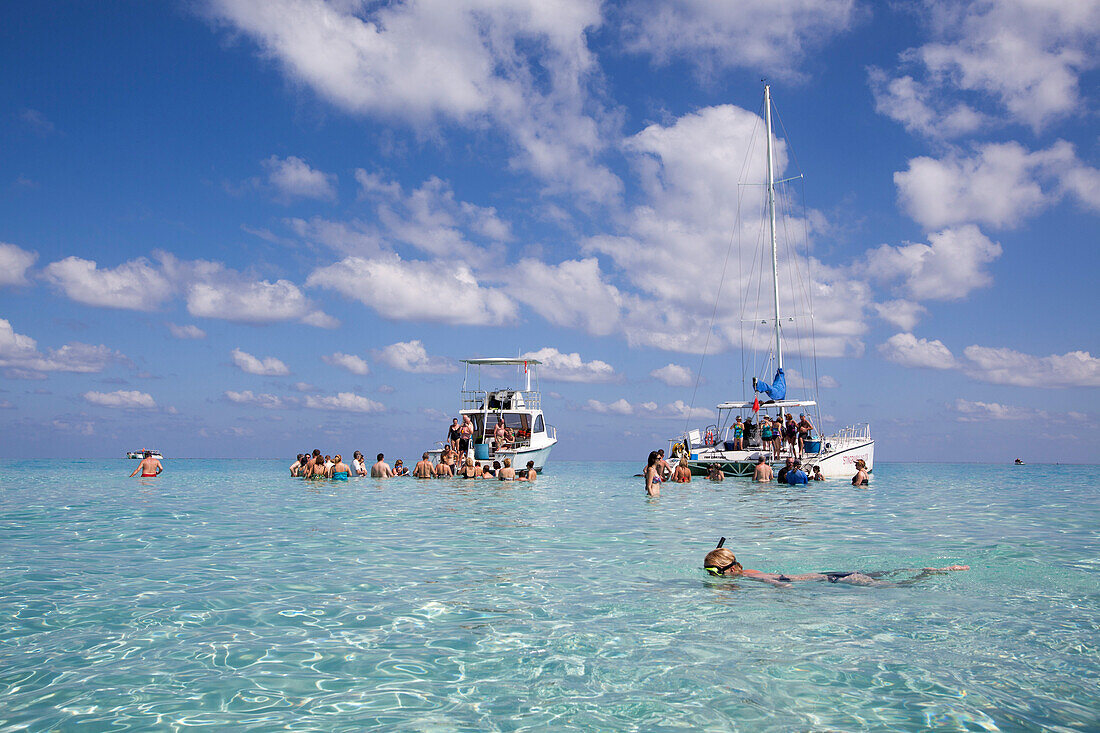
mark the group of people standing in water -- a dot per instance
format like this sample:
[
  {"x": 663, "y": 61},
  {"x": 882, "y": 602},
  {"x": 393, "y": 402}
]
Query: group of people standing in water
[
  {"x": 658, "y": 470},
  {"x": 317, "y": 466}
]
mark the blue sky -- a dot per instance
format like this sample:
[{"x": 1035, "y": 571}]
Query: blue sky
[{"x": 250, "y": 229}]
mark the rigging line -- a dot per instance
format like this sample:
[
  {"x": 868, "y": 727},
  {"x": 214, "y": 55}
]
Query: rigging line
[{"x": 813, "y": 324}]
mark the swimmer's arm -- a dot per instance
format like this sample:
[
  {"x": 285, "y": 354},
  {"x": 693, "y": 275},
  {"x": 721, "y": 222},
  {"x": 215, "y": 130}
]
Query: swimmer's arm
[
  {"x": 769, "y": 578},
  {"x": 947, "y": 569},
  {"x": 135, "y": 472}
]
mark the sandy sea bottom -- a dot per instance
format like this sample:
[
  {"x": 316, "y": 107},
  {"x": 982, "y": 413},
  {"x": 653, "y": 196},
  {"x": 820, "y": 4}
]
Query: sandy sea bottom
[{"x": 229, "y": 595}]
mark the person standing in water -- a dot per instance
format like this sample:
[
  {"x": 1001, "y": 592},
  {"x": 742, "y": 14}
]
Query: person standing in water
[
  {"x": 340, "y": 470},
  {"x": 423, "y": 467},
  {"x": 763, "y": 472},
  {"x": 861, "y": 478},
  {"x": 529, "y": 474},
  {"x": 150, "y": 467},
  {"x": 652, "y": 476},
  {"x": 714, "y": 473},
  {"x": 381, "y": 469}
]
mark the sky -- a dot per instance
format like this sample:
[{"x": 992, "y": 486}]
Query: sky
[{"x": 240, "y": 229}]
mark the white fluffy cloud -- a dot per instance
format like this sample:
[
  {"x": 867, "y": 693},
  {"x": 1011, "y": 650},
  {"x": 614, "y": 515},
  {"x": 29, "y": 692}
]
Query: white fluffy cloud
[
  {"x": 344, "y": 402},
  {"x": 560, "y": 367},
  {"x": 916, "y": 106},
  {"x": 14, "y": 263},
  {"x": 981, "y": 411},
  {"x": 1025, "y": 57},
  {"x": 905, "y": 314},
  {"x": 1006, "y": 366},
  {"x": 20, "y": 353},
  {"x": 907, "y": 350},
  {"x": 350, "y": 362},
  {"x": 411, "y": 356},
  {"x": 186, "y": 331},
  {"x": 248, "y": 397},
  {"x": 523, "y": 66},
  {"x": 269, "y": 367},
  {"x": 124, "y": 399},
  {"x": 571, "y": 294},
  {"x": 949, "y": 267},
  {"x": 678, "y": 409},
  {"x": 293, "y": 178},
  {"x": 415, "y": 290},
  {"x": 756, "y": 34},
  {"x": 674, "y": 375},
  {"x": 1001, "y": 185},
  {"x": 134, "y": 285},
  {"x": 254, "y": 302}
]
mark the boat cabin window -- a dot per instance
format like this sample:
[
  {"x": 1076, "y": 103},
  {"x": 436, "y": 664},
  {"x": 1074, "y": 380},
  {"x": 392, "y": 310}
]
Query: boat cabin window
[
  {"x": 539, "y": 427},
  {"x": 517, "y": 421}
]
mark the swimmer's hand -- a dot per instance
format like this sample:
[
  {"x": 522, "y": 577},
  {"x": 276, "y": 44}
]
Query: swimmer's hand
[{"x": 948, "y": 569}]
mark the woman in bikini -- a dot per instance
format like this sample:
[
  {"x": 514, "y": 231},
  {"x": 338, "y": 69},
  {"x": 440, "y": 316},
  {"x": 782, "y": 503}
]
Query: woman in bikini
[{"x": 652, "y": 476}]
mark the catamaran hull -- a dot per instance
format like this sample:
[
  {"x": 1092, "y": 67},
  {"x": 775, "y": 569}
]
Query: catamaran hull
[{"x": 838, "y": 462}]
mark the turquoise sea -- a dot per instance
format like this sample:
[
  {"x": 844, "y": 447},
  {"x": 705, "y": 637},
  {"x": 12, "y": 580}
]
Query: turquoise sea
[{"x": 227, "y": 594}]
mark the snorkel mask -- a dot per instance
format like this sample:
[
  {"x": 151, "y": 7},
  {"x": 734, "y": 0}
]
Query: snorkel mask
[{"x": 714, "y": 569}]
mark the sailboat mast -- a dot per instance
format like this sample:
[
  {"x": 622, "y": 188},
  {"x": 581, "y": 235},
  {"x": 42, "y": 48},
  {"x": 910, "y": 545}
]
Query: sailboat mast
[{"x": 771, "y": 221}]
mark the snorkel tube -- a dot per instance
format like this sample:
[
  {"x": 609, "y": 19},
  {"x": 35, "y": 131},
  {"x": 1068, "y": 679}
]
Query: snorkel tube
[{"x": 714, "y": 569}]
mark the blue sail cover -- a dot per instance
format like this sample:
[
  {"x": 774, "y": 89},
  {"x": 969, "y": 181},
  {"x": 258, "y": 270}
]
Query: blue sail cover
[{"x": 777, "y": 390}]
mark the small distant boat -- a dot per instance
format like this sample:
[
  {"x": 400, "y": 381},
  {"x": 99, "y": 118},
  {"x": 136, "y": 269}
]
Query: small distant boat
[
  {"x": 139, "y": 454},
  {"x": 1019, "y": 462},
  {"x": 521, "y": 410}
]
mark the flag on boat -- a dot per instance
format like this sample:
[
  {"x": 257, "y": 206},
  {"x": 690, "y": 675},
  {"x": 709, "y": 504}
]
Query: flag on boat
[
  {"x": 756, "y": 405},
  {"x": 777, "y": 390}
]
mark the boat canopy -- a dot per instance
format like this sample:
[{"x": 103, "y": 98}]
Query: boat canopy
[
  {"x": 513, "y": 361},
  {"x": 780, "y": 403}
]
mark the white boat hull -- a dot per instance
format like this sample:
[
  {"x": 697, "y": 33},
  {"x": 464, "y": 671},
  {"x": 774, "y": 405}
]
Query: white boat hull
[
  {"x": 518, "y": 456},
  {"x": 836, "y": 461}
]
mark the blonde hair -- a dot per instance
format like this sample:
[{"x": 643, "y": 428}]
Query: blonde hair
[
  {"x": 469, "y": 462},
  {"x": 720, "y": 557},
  {"x": 507, "y": 462},
  {"x": 338, "y": 458}
]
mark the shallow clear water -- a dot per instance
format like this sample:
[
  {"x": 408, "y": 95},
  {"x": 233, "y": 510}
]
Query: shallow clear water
[{"x": 227, "y": 594}]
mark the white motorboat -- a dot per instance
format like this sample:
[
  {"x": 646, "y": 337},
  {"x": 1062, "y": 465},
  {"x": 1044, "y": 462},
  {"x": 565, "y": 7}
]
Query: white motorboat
[
  {"x": 532, "y": 438},
  {"x": 139, "y": 454},
  {"x": 835, "y": 454}
]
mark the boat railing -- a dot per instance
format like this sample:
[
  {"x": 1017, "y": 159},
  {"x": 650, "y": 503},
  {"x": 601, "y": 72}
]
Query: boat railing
[
  {"x": 475, "y": 399},
  {"x": 861, "y": 431}
]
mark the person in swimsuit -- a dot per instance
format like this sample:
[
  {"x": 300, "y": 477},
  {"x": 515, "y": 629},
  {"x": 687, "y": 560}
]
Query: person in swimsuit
[
  {"x": 453, "y": 434},
  {"x": 150, "y": 467},
  {"x": 381, "y": 469},
  {"x": 738, "y": 434},
  {"x": 805, "y": 432},
  {"x": 663, "y": 465},
  {"x": 722, "y": 562},
  {"x": 507, "y": 473},
  {"x": 790, "y": 432},
  {"x": 340, "y": 470},
  {"x": 817, "y": 474},
  {"x": 781, "y": 477},
  {"x": 861, "y": 478},
  {"x": 399, "y": 468},
  {"x": 358, "y": 465},
  {"x": 465, "y": 432},
  {"x": 529, "y": 474},
  {"x": 443, "y": 469},
  {"x": 423, "y": 467},
  {"x": 766, "y": 433},
  {"x": 682, "y": 474},
  {"x": 296, "y": 466},
  {"x": 714, "y": 473},
  {"x": 763, "y": 472},
  {"x": 652, "y": 476},
  {"x": 468, "y": 471}
]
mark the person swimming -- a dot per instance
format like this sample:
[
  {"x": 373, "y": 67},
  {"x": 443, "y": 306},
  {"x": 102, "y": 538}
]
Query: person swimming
[{"x": 722, "y": 562}]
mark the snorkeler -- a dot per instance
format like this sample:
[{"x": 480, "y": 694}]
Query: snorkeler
[{"x": 721, "y": 561}]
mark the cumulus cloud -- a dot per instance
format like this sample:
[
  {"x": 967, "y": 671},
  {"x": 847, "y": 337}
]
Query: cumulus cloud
[
  {"x": 344, "y": 402},
  {"x": 186, "y": 331},
  {"x": 907, "y": 350},
  {"x": 292, "y": 178},
  {"x": 1006, "y": 366},
  {"x": 678, "y": 409},
  {"x": 134, "y": 285},
  {"x": 21, "y": 355},
  {"x": 411, "y": 356},
  {"x": 1001, "y": 185},
  {"x": 254, "y": 302},
  {"x": 269, "y": 367},
  {"x": 524, "y": 67},
  {"x": 415, "y": 290},
  {"x": 905, "y": 314},
  {"x": 248, "y": 397},
  {"x": 981, "y": 411},
  {"x": 561, "y": 367},
  {"x": 916, "y": 106},
  {"x": 572, "y": 294},
  {"x": 349, "y": 362},
  {"x": 674, "y": 375},
  {"x": 756, "y": 34},
  {"x": 14, "y": 263},
  {"x": 795, "y": 379},
  {"x": 949, "y": 267},
  {"x": 124, "y": 399},
  {"x": 1026, "y": 58}
]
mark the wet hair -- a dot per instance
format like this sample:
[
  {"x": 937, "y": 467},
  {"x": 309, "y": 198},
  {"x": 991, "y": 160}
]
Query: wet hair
[
  {"x": 316, "y": 452},
  {"x": 338, "y": 458},
  {"x": 496, "y": 465},
  {"x": 425, "y": 456},
  {"x": 469, "y": 462},
  {"x": 720, "y": 557},
  {"x": 530, "y": 464},
  {"x": 380, "y": 456},
  {"x": 507, "y": 462}
]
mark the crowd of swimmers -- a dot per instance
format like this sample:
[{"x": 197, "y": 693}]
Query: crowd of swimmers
[
  {"x": 658, "y": 470},
  {"x": 451, "y": 464}
]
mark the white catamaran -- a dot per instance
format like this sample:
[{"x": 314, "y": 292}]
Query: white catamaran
[
  {"x": 836, "y": 454},
  {"x": 532, "y": 438}
]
